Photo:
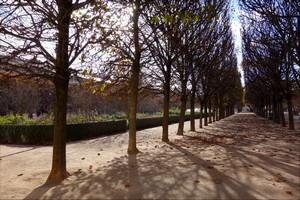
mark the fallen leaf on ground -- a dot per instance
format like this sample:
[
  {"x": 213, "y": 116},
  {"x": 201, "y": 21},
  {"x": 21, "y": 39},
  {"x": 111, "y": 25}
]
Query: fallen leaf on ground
[
  {"x": 82, "y": 158},
  {"x": 278, "y": 178},
  {"x": 289, "y": 192},
  {"x": 196, "y": 181},
  {"x": 216, "y": 180},
  {"x": 78, "y": 171},
  {"x": 20, "y": 174},
  {"x": 127, "y": 185},
  {"x": 90, "y": 167},
  {"x": 272, "y": 154}
]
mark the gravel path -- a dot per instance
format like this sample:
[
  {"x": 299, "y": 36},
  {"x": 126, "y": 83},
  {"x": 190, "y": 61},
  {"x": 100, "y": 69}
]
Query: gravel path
[{"x": 241, "y": 157}]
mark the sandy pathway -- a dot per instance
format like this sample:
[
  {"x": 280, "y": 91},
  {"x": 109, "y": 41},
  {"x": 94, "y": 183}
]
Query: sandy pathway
[{"x": 241, "y": 157}]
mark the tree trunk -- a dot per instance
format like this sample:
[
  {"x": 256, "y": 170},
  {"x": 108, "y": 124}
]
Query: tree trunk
[
  {"x": 217, "y": 110},
  {"x": 205, "y": 114},
  {"x": 192, "y": 102},
  {"x": 271, "y": 112},
  {"x": 266, "y": 108},
  {"x": 275, "y": 112},
  {"x": 132, "y": 111},
  {"x": 182, "y": 114},
  {"x": 227, "y": 114},
  {"x": 214, "y": 112},
  {"x": 221, "y": 110},
  {"x": 59, "y": 171},
  {"x": 165, "y": 122},
  {"x": 290, "y": 112},
  {"x": 61, "y": 81},
  {"x": 134, "y": 81},
  {"x": 201, "y": 114},
  {"x": 281, "y": 112},
  {"x": 210, "y": 113}
]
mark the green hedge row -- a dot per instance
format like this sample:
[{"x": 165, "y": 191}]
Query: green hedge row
[
  {"x": 26, "y": 134},
  {"x": 157, "y": 121},
  {"x": 43, "y": 134}
]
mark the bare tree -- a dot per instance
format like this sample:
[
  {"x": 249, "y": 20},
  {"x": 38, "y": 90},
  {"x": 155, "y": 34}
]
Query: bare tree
[
  {"x": 271, "y": 54},
  {"x": 162, "y": 18},
  {"x": 44, "y": 38}
]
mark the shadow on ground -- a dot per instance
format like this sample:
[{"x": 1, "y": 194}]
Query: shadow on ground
[{"x": 244, "y": 157}]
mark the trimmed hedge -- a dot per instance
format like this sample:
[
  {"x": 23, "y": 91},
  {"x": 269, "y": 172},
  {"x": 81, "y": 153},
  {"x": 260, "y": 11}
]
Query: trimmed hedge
[
  {"x": 90, "y": 130},
  {"x": 43, "y": 134},
  {"x": 157, "y": 121},
  {"x": 26, "y": 134}
]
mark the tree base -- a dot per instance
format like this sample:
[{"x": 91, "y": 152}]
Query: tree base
[
  {"x": 165, "y": 140},
  {"x": 57, "y": 177},
  {"x": 133, "y": 151}
]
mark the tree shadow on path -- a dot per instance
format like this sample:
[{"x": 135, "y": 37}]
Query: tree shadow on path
[{"x": 38, "y": 192}]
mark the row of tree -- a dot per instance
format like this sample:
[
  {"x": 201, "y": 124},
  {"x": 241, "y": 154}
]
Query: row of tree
[
  {"x": 167, "y": 46},
  {"x": 186, "y": 47},
  {"x": 271, "y": 52}
]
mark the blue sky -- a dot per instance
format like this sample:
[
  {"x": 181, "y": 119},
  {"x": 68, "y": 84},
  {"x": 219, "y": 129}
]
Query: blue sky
[{"x": 236, "y": 27}]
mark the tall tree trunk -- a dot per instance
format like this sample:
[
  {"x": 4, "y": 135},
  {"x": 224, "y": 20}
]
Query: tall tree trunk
[
  {"x": 210, "y": 113},
  {"x": 214, "y": 111},
  {"x": 61, "y": 81},
  {"x": 134, "y": 81},
  {"x": 290, "y": 112},
  {"x": 183, "y": 101},
  {"x": 182, "y": 114},
  {"x": 281, "y": 112},
  {"x": 205, "y": 114},
  {"x": 289, "y": 94},
  {"x": 59, "y": 171},
  {"x": 275, "y": 111},
  {"x": 271, "y": 112},
  {"x": 192, "y": 101},
  {"x": 217, "y": 110},
  {"x": 266, "y": 108},
  {"x": 167, "y": 91},
  {"x": 192, "y": 104},
  {"x": 165, "y": 122},
  {"x": 221, "y": 110},
  {"x": 132, "y": 112},
  {"x": 227, "y": 111},
  {"x": 201, "y": 114}
]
